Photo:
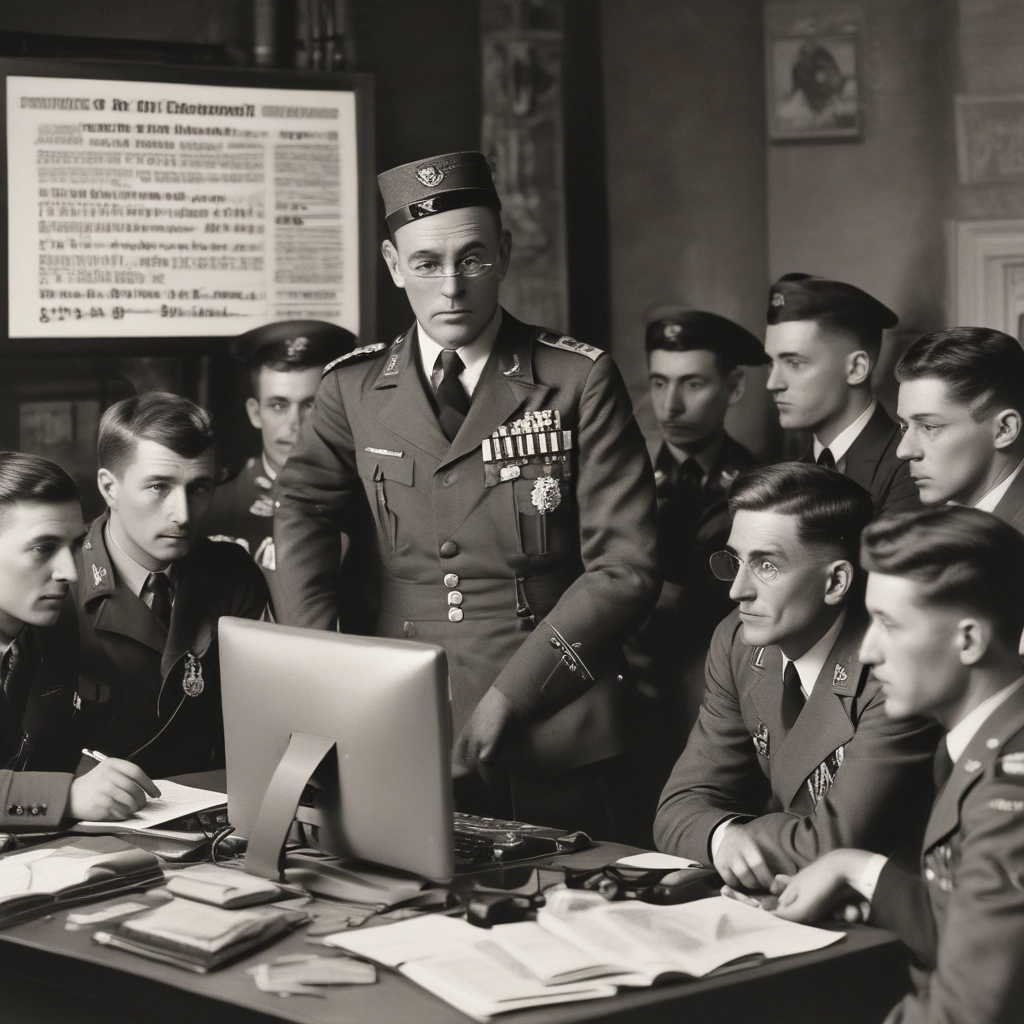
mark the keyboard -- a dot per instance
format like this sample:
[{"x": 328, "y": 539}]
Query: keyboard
[{"x": 481, "y": 841}]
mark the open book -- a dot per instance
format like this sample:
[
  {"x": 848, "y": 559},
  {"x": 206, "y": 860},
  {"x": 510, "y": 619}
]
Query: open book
[
  {"x": 71, "y": 870},
  {"x": 580, "y": 947}
]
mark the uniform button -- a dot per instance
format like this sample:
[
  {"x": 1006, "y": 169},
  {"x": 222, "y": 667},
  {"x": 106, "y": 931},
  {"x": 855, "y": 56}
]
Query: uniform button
[
  {"x": 34, "y": 809},
  {"x": 929, "y": 874},
  {"x": 13, "y": 809},
  {"x": 451, "y": 580},
  {"x": 455, "y": 597},
  {"x": 449, "y": 549},
  {"x": 455, "y": 614},
  {"x": 409, "y": 628},
  {"x": 42, "y": 808},
  {"x": 18, "y": 809}
]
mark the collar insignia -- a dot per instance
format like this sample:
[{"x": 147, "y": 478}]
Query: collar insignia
[
  {"x": 514, "y": 370},
  {"x": 838, "y": 675},
  {"x": 99, "y": 573}
]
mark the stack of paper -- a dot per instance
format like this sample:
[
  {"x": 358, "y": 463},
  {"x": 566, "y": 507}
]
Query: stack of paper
[{"x": 580, "y": 947}]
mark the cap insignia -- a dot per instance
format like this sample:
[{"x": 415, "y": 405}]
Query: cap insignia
[
  {"x": 778, "y": 299},
  {"x": 296, "y": 347},
  {"x": 672, "y": 331},
  {"x": 430, "y": 175}
]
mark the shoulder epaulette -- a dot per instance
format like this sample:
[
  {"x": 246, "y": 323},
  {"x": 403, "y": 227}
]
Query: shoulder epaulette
[
  {"x": 563, "y": 341},
  {"x": 357, "y": 355}
]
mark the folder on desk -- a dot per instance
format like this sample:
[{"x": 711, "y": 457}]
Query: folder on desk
[{"x": 71, "y": 870}]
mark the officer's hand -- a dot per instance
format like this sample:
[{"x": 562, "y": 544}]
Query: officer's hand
[
  {"x": 739, "y": 860},
  {"x": 112, "y": 791},
  {"x": 812, "y": 893},
  {"x": 482, "y": 734}
]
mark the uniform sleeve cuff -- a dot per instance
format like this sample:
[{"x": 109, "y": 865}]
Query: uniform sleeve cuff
[
  {"x": 868, "y": 880},
  {"x": 719, "y": 834}
]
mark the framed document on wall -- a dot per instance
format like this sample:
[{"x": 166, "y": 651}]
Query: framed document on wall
[{"x": 181, "y": 205}]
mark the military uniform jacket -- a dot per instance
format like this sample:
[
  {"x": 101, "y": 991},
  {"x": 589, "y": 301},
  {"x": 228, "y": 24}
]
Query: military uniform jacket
[
  {"x": 535, "y": 603},
  {"x": 39, "y": 745},
  {"x": 872, "y": 463},
  {"x": 135, "y": 702},
  {"x": 692, "y": 600},
  {"x": 845, "y": 775},
  {"x": 1011, "y": 506},
  {"x": 964, "y": 919},
  {"x": 243, "y": 512}
]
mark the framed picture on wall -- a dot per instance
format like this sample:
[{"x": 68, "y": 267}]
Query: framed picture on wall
[{"x": 813, "y": 65}]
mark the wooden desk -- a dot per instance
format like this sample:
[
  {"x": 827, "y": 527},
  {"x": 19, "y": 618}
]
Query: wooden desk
[{"x": 49, "y": 975}]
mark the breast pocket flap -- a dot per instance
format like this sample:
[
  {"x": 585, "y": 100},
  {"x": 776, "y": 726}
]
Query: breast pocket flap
[{"x": 385, "y": 467}]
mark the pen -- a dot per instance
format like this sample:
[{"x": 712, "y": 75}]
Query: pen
[{"x": 95, "y": 755}]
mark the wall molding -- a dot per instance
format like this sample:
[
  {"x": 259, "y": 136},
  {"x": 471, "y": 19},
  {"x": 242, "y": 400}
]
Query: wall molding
[{"x": 986, "y": 273}]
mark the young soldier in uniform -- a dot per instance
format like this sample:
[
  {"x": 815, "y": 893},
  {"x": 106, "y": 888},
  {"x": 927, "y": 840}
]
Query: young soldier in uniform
[
  {"x": 695, "y": 366},
  {"x": 792, "y": 753},
  {"x": 150, "y": 591},
  {"x": 961, "y": 406},
  {"x": 285, "y": 363},
  {"x": 824, "y": 339},
  {"x": 41, "y": 528},
  {"x": 946, "y": 610},
  {"x": 514, "y": 503}
]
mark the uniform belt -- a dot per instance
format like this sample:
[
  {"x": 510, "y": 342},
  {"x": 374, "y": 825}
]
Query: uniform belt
[{"x": 478, "y": 598}]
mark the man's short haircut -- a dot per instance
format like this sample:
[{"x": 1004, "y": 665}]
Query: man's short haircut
[
  {"x": 31, "y": 478},
  {"x": 960, "y": 557},
  {"x": 981, "y": 368},
  {"x": 169, "y": 420},
  {"x": 830, "y": 508}
]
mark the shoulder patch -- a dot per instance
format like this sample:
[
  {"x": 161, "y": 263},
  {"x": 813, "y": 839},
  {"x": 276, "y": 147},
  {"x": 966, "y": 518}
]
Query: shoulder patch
[
  {"x": 357, "y": 355},
  {"x": 563, "y": 341},
  {"x": 1011, "y": 766}
]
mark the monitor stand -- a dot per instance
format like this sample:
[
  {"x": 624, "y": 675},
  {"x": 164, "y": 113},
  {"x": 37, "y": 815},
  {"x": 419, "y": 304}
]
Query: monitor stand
[{"x": 320, "y": 873}]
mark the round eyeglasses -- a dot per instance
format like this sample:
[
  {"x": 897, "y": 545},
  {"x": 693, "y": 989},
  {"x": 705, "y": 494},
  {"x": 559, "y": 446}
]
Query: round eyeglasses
[
  {"x": 726, "y": 566},
  {"x": 468, "y": 267}
]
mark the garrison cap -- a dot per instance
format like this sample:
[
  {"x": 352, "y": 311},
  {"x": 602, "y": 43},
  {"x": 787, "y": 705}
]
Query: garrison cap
[
  {"x": 440, "y": 183},
  {"x": 298, "y": 342},
  {"x": 803, "y": 297},
  {"x": 685, "y": 330}
]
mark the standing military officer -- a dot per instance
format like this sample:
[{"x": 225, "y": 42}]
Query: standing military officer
[
  {"x": 514, "y": 506},
  {"x": 695, "y": 368},
  {"x": 285, "y": 363},
  {"x": 824, "y": 338},
  {"x": 946, "y": 611},
  {"x": 961, "y": 405}
]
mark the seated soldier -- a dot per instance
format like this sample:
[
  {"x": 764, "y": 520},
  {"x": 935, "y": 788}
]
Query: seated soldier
[
  {"x": 150, "y": 591},
  {"x": 40, "y": 530},
  {"x": 961, "y": 406},
  {"x": 946, "y": 610},
  {"x": 792, "y": 753}
]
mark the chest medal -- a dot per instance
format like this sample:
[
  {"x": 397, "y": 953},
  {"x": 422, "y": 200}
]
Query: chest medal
[
  {"x": 546, "y": 495},
  {"x": 192, "y": 682}
]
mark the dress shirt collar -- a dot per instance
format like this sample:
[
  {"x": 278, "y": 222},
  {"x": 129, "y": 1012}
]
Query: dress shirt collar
[
  {"x": 134, "y": 574},
  {"x": 958, "y": 738},
  {"x": 988, "y": 502},
  {"x": 474, "y": 355},
  {"x": 844, "y": 440},
  {"x": 810, "y": 664},
  {"x": 271, "y": 475}
]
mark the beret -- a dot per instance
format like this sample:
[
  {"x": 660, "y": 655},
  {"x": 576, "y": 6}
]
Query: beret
[
  {"x": 439, "y": 183},
  {"x": 803, "y": 297},
  {"x": 299, "y": 342},
  {"x": 691, "y": 329}
]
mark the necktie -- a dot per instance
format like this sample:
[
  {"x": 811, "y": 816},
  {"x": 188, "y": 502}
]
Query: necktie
[
  {"x": 942, "y": 766},
  {"x": 157, "y": 594},
  {"x": 452, "y": 400},
  {"x": 688, "y": 482},
  {"x": 825, "y": 459},
  {"x": 792, "y": 696}
]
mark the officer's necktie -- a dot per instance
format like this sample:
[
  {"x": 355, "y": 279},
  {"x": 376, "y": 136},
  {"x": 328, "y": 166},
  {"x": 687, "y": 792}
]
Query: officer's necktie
[
  {"x": 825, "y": 459},
  {"x": 688, "y": 483},
  {"x": 156, "y": 592},
  {"x": 452, "y": 400},
  {"x": 792, "y": 696},
  {"x": 942, "y": 766}
]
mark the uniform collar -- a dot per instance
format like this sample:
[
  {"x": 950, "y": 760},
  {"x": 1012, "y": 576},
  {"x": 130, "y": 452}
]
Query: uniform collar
[
  {"x": 958, "y": 738},
  {"x": 809, "y": 665},
  {"x": 988, "y": 501},
  {"x": 270, "y": 474},
  {"x": 474, "y": 355},
  {"x": 133, "y": 574},
  {"x": 843, "y": 441}
]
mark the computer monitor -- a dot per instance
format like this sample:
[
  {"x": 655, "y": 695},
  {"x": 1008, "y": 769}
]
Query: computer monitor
[{"x": 365, "y": 721}]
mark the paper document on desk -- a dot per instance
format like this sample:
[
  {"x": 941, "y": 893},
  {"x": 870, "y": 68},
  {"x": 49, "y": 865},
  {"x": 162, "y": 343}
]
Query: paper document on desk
[{"x": 174, "y": 801}]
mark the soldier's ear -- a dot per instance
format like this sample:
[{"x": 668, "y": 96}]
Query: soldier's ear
[
  {"x": 108, "y": 485},
  {"x": 973, "y": 637},
  {"x": 1006, "y": 427},
  {"x": 390, "y": 254},
  {"x": 735, "y": 381},
  {"x": 252, "y": 408},
  {"x": 858, "y": 368},
  {"x": 838, "y": 582}
]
